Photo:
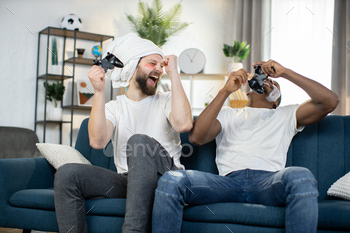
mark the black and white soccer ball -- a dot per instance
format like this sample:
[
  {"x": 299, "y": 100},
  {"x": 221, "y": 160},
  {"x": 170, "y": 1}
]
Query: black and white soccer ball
[{"x": 71, "y": 22}]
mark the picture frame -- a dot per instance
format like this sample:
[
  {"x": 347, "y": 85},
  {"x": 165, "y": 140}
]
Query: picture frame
[{"x": 85, "y": 93}]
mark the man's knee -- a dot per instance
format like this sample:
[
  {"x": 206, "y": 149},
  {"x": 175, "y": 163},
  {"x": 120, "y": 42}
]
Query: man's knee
[
  {"x": 141, "y": 145},
  {"x": 138, "y": 139},
  {"x": 68, "y": 174},
  {"x": 295, "y": 174},
  {"x": 173, "y": 183},
  {"x": 300, "y": 181},
  {"x": 138, "y": 145}
]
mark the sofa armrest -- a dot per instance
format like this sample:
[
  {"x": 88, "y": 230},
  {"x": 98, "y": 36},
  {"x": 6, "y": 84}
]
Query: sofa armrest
[{"x": 24, "y": 173}]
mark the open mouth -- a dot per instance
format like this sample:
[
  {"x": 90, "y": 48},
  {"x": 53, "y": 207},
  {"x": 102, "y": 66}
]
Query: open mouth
[
  {"x": 267, "y": 87},
  {"x": 153, "y": 79},
  {"x": 268, "y": 84}
]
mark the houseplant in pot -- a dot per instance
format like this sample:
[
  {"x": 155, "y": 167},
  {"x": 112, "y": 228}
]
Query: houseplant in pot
[
  {"x": 156, "y": 25},
  {"x": 54, "y": 94},
  {"x": 238, "y": 51}
]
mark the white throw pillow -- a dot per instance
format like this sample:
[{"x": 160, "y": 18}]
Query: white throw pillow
[
  {"x": 58, "y": 155},
  {"x": 341, "y": 188}
]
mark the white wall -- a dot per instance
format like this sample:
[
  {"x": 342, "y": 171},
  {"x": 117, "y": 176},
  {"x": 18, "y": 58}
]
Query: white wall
[{"x": 21, "y": 20}]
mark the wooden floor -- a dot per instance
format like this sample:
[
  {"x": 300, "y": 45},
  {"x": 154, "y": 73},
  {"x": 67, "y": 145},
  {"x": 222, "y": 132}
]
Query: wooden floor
[{"x": 10, "y": 230}]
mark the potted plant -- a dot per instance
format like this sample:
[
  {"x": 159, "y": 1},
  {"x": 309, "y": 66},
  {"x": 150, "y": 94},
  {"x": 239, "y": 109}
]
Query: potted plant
[
  {"x": 239, "y": 52},
  {"x": 54, "y": 94},
  {"x": 156, "y": 25}
]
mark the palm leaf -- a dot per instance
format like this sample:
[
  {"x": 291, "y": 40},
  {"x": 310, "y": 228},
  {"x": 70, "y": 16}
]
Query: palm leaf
[
  {"x": 156, "y": 25},
  {"x": 158, "y": 6},
  {"x": 171, "y": 17},
  {"x": 143, "y": 9}
]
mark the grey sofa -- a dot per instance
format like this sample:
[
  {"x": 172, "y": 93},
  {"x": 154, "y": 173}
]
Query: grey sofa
[
  {"x": 16, "y": 142},
  {"x": 27, "y": 202}
]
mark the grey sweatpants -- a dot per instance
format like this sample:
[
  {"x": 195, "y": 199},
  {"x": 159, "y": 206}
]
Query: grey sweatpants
[{"x": 75, "y": 183}]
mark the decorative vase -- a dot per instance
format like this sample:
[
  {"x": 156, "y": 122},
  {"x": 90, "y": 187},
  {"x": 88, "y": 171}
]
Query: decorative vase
[
  {"x": 54, "y": 113},
  {"x": 234, "y": 66},
  {"x": 80, "y": 52}
]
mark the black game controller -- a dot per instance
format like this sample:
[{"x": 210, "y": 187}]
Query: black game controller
[
  {"x": 109, "y": 62},
  {"x": 257, "y": 82}
]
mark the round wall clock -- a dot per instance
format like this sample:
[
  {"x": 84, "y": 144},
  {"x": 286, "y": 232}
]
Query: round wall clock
[{"x": 191, "y": 61}]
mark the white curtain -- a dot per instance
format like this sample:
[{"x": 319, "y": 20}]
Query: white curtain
[
  {"x": 301, "y": 39},
  {"x": 341, "y": 53}
]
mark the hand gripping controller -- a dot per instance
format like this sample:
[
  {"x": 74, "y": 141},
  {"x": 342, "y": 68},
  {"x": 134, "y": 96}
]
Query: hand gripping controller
[
  {"x": 257, "y": 82},
  {"x": 109, "y": 62}
]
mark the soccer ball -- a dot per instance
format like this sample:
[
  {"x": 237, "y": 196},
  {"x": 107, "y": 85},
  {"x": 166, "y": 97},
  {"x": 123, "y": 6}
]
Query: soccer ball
[{"x": 71, "y": 22}]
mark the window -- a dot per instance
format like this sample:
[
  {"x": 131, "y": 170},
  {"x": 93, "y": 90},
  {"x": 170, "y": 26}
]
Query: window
[{"x": 301, "y": 39}]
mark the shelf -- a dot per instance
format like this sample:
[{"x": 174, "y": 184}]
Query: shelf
[
  {"x": 77, "y": 107},
  {"x": 79, "y": 34},
  {"x": 55, "y": 77},
  {"x": 53, "y": 122},
  {"x": 202, "y": 76},
  {"x": 70, "y": 108},
  {"x": 83, "y": 61}
]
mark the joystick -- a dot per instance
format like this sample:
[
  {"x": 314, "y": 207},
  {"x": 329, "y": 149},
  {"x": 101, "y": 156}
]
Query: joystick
[
  {"x": 109, "y": 62},
  {"x": 257, "y": 82}
]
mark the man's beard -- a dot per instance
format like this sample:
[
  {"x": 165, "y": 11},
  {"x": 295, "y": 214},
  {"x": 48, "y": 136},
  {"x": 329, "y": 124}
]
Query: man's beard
[{"x": 142, "y": 79}]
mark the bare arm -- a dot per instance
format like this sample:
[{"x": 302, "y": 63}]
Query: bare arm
[
  {"x": 100, "y": 129},
  {"x": 207, "y": 127},
  {"x": 322, "y": 102},
  {"x": 180, "y": 116}
]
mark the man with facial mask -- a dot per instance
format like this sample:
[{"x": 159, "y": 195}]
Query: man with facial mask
[
  {"x": 144, "y": 126},
  {"x": 251, "y": 153}
]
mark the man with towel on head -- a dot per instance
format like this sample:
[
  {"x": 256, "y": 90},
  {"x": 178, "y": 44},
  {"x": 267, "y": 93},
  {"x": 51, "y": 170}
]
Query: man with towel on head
[{"x": 144, "y": 127}]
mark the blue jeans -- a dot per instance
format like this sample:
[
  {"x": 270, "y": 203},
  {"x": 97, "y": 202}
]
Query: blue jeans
[{"x": 293, "y": 187}]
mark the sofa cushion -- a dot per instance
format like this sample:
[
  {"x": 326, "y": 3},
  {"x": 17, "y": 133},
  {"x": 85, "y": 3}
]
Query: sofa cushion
[
  {"x": 334, "y": 215},
  {"x": 240, "y": 213},
  {"x": 44, "y": 199},
  {"x": 58, "y": 155},
  {"x": 341, "y": 188}
]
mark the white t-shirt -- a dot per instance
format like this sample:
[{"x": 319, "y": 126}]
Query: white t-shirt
[
  {"x": 255, "y": 138},
  {"x": 149, "y": 116}
]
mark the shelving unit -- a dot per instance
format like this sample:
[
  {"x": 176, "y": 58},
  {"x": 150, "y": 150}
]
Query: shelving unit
[
  {"x": 192, "y": 89},
  {"x": 75, "y": 35}
]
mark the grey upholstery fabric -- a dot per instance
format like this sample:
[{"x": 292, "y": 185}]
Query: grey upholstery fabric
[{"x": 18, "y": 143}]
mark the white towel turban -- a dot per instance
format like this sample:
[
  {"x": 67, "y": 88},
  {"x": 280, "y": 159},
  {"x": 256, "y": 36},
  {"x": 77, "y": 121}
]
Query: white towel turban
[{"x": 129, "y": 49}]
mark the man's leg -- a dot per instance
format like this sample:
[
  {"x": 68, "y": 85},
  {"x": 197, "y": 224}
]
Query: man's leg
[
  {"x": 294, "y": 187},
  {"x": 175, "y": 188},
  {"x": 76, "y": 182},
  {"x": 147, "y": 161}
]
